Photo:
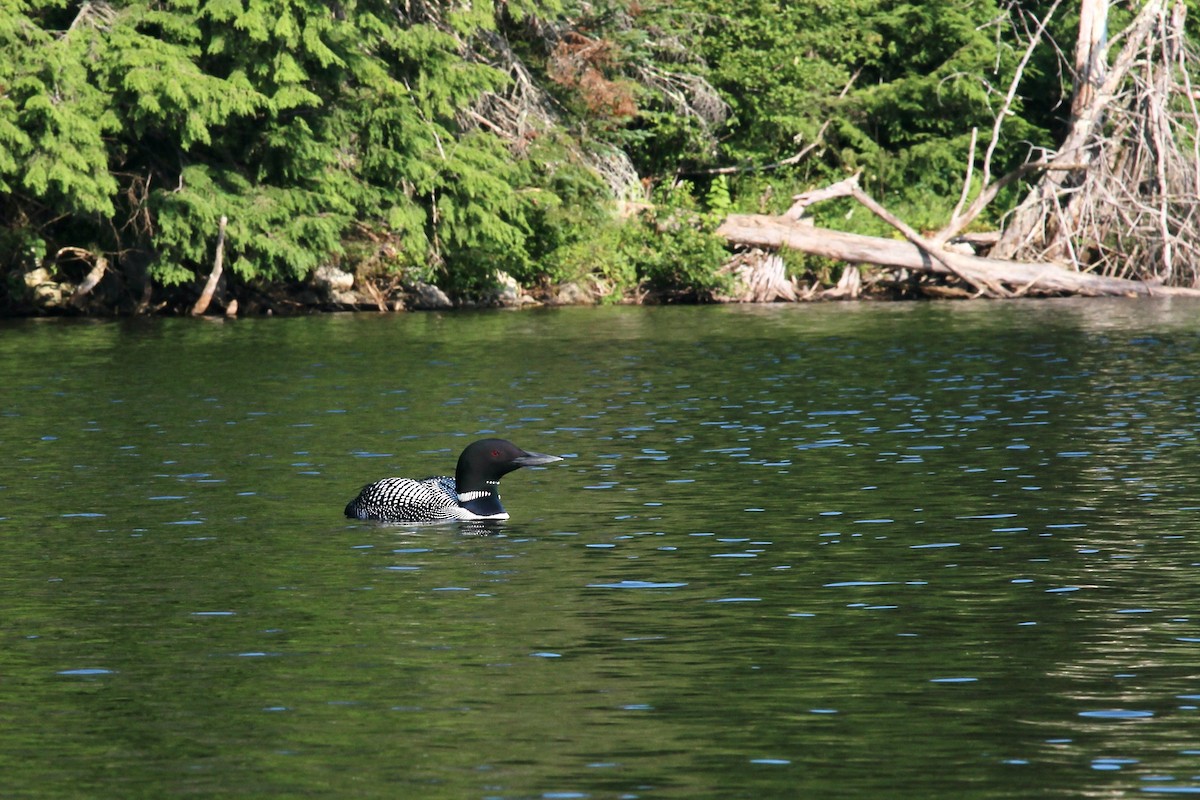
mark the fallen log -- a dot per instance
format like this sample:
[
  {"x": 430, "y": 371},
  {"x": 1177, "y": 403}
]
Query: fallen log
[{"x": 1020, "y": 278}]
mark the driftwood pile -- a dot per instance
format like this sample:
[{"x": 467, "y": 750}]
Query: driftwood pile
[{"x": 1115, "y": 211}]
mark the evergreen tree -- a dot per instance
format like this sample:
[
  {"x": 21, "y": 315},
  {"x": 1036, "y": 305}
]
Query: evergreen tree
[
  {"x": 130, "y": 128},
  {"x": 442, "y": 141}
]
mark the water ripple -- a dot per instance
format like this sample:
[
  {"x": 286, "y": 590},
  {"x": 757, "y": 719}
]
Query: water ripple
[{"x": 628, "y": 584}]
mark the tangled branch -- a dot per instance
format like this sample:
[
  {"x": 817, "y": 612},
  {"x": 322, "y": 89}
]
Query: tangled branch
[{"x": 1129, "y": 206}]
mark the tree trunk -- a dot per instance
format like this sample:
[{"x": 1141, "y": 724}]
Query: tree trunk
[
  {"x": 93, "y": 278},
  {"x": 759, "y": 276},
  {"x": 214, "y": 277},
  {"x": 1089, "y": 54},
  {"x": 1032, "y": 226}
]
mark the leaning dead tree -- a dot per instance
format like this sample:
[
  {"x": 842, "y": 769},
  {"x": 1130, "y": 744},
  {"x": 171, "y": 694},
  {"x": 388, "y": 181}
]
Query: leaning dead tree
[
  {"x": 1114, "y": 211},
  {"x": 1121, "y": 196}
]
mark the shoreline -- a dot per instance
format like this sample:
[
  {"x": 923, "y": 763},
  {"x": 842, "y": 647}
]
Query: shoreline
[{"x": 265, "y": 304}]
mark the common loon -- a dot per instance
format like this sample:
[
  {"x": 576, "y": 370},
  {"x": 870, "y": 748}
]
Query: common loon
[{"x": 473, "y": 492}]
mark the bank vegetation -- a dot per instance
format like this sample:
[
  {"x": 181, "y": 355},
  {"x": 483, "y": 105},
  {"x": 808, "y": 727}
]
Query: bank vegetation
[{"x": 241, "y": 156}]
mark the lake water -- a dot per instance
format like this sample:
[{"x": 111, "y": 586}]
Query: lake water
[{"x": 877, "y": 551}]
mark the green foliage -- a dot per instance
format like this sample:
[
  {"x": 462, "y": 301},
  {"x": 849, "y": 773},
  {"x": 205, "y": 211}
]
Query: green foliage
[
  {"x": 935, "y": 76},
  {"x": 567, "y": 217},
  {"x": 718, "y": 200},
  {"x": 53, "y": 120},
  {"x": 133, "y": 127},
  {"x": 600, "y": 258},
  {"x": 269, "y": 225},
  {"x": 782, "y": 67},
  {"x": 888, "y": 87},
  {"x": 668, "y": 247},
  {"x": 129, "y": 127},
  {"x": 672, "y": 246}
]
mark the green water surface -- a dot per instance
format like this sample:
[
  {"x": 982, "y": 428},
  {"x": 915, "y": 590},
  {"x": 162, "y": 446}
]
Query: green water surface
[{"x": 876, "y": 551}]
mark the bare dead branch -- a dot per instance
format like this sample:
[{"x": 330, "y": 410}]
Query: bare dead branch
[
  {"x": 843, "y": 188},
  {"x": 966, "y": 187},
  {"x": 934, "y": 251},
  {"x": 1131, "y": 204},
  {"x": 959, "y": 221},
  {"x": 1034, "y": 40},
  {"x": 94, "y": 276},
  {"x": 210, "y": 286}
]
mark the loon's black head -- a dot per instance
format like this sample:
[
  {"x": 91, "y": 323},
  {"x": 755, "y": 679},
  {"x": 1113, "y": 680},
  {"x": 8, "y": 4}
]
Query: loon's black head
[{"x": 483, "y": 464}]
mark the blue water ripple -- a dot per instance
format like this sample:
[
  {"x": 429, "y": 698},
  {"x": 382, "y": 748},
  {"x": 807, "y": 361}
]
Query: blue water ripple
[{"x": 636, "y": 585}]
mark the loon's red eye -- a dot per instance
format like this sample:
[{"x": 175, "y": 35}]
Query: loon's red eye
[{"x": 495, "y": 454}]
